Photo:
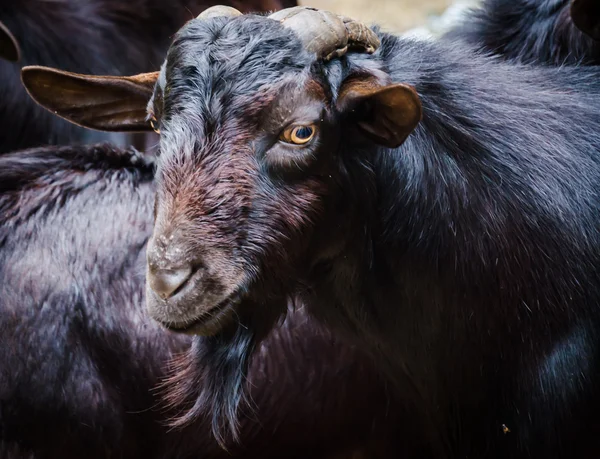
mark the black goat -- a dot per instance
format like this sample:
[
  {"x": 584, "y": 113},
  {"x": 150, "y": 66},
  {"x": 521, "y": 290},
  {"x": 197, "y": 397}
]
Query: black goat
[
  {"x": 79, "y": 358},
  {"x": 438, "y": 206},
  {"x": 532, "y": 31},
  {"x": 115, "y": 37}
]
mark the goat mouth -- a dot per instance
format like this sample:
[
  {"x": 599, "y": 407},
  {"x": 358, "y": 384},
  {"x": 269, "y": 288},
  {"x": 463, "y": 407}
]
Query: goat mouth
[{"x": 211, "y": 322}]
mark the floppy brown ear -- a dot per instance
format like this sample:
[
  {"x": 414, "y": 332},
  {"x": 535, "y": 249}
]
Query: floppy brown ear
[
  {"x": 104, "y": 103},
  {"x": 9, "y": 46},
  {"x": 386, "y": 114},
  {"x": 586, "y": 16}
]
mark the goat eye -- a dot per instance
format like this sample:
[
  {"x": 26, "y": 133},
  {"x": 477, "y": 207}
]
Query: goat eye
[
  {"x": 154, "y": 125},
  {"x": 299, "y": 135}
]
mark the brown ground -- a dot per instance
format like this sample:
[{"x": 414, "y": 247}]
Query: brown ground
[{"x": 392, "y": 15}]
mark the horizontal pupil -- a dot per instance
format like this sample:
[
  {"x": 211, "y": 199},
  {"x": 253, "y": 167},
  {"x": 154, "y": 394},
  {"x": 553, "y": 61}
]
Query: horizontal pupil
[{"x": 303, "y": 133}]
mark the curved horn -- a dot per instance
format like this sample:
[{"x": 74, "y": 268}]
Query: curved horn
[
  {"x": 219, "y": 11},
  {"x": 327, "y": 34}
]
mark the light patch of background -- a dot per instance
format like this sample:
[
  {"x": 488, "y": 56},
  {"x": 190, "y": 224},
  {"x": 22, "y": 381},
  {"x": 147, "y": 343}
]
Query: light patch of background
[{"x": 418, "y": 16}]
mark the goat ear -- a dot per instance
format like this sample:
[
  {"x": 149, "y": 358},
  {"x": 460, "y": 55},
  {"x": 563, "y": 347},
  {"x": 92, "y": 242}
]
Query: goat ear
[
  {"x": 103, "y": 103},
  {"x": 385, "y": 114},
  {"x": 586, "y": 16},
  {"x": 9, "y": 46}
]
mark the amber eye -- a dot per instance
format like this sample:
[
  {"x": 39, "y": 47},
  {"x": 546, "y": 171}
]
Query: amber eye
[
  {"x": 299, "y": 135},
  {"x": 154, "y": 124}
]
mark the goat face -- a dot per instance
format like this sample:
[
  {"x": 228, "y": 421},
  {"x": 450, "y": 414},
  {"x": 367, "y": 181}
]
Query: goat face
[
  {"x": 250, "y": 162},
  {"x": 245, "y": 163}
]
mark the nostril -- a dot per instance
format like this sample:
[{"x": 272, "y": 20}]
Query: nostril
[{"x": 165, "y": 282}]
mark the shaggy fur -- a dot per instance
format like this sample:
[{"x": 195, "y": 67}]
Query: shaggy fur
[
  {"x": 528, "y": 31},
  {"x": 80, "y": 359},
  {"x": 464, "y": 261},
  {"x": 113, "y": 37}
]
